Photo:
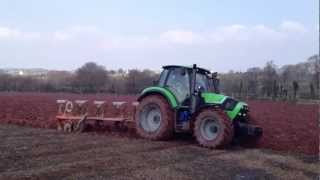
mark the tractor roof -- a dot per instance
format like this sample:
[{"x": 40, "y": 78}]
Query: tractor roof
[{"x": 202, "y": 70}]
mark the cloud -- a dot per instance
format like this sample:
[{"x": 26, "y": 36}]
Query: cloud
[
  {"x": 232, "y": 29},
  {"x": 234, "y": 33},
  {"x": 10, "y": 33},
  {"x": 83, "y": 29},
  {"x": 265, "y": 30},
  {"x": 74, "y": 32},
  {"x": 127, "y": 42},
  {"x": 231, "y": 32},
  {"x": 61, "y": 36},
  {"x": 180, "y": 37},
  {"x": 293, "y": 26},
  {"x": 235, "y": 46},
  {"x": 220, "y": 34}
]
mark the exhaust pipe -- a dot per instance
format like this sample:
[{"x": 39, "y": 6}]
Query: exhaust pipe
[{"x": 194, "y": 92}]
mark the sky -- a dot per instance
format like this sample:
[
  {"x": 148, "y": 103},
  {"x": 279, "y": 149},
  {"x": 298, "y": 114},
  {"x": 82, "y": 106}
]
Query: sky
[{"x": 218, "y": 35}]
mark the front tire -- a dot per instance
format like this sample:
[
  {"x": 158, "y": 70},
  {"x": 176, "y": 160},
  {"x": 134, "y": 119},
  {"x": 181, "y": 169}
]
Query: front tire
[
  {"x": 213, "y": 129},
  {"x": 154, "y": 118}
]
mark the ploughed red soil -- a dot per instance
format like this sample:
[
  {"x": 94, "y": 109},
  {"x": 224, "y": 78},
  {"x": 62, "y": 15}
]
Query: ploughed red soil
[
  {"x": 286, "y": 126},
  {"x": 33, "y": 153}
]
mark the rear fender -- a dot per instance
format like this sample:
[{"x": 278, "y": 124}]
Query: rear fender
[{"x": 166, "y": 93}]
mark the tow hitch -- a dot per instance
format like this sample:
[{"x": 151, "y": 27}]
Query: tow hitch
[{"x": 248, "y": 129}]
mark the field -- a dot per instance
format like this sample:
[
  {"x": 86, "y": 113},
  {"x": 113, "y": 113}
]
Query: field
[
  {"x": 33, "y": 153},
  {"x": 35, "y": 150},
  {"x": 287, "y": 127}
]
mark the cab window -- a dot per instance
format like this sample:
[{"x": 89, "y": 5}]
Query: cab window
[
  {"x": 178, "y": 83},
  {"x": 163, "y": 77},
  {"x": 202, "y": 82}
]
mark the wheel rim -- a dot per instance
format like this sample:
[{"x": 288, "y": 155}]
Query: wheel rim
[
  {"x": 150, "y": 118},
  {"x": 210, "y": 129}
]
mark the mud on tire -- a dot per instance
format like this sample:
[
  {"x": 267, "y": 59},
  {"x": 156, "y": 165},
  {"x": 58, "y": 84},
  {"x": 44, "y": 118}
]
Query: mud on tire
[
  {"x": 162, "y": 131},
  {"x": 223, "y": 128}
]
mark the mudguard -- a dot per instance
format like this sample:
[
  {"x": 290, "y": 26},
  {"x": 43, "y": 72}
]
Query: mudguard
[
  {"x": 219, "y": 99},
  {"x": 162, "y": 91}
]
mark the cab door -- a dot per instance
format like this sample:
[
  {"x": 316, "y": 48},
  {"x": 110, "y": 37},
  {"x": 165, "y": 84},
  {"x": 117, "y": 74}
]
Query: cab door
[{"x": 178, "y": 82}]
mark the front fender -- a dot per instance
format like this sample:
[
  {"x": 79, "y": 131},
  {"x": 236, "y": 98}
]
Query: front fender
[{"x": 233, "y": 113}]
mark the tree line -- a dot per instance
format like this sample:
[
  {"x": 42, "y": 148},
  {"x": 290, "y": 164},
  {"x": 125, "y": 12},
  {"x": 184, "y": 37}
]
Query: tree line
[
  {"x": 271, "y": 82},
  {"x": 90, "y": 78}
]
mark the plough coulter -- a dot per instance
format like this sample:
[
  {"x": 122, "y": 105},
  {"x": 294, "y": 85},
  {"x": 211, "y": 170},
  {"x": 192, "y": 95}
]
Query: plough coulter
[{"x": 185, "y": 99}]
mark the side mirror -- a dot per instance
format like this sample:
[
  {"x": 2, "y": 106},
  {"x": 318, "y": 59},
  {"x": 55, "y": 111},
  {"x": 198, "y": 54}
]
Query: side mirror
[
  {"x": 214, "y": 75},
  {"x": 215, "y": 82}
]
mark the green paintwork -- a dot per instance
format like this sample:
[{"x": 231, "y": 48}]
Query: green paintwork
[
  {"x": 213, "y": 98},
  {"x": 232, "y": 114},
  {"x": 164, "y": 91},
  {"x": 209, "y": 98}
]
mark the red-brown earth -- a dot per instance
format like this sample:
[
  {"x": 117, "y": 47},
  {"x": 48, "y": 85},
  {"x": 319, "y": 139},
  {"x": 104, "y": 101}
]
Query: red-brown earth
[{"x": 287, "y": 126}]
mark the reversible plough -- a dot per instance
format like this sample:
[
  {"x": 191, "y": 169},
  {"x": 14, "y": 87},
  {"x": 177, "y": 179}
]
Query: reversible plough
[{"x": 74, "y": 116}]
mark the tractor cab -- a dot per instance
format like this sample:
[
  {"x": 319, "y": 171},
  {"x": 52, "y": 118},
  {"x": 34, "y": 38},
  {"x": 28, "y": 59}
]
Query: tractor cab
[
  {"x": 188, "y": 99},
  {"x": 183, "y": 83}
]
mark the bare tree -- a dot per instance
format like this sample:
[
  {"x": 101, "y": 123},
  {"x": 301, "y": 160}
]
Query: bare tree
[
  {"x": 295, "y": 86},
  {"x": 252, "y": 79},
  {"x": 137, "y": 80},
  {"x": 59, "y": 81},
  {"x": 269, "y": 76},
  {"x": 312, "y": 93},
  {"x": 275, "y": 89},
  {"x": 90, "y": 78},
  {"x": 240, "y": 88},
  {"x": 315, "y": 70}
]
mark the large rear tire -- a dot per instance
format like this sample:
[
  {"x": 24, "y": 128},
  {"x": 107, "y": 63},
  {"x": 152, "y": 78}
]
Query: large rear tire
[
  {"x": 213, "y": 128},
  {"x": 154, "y": 118}
]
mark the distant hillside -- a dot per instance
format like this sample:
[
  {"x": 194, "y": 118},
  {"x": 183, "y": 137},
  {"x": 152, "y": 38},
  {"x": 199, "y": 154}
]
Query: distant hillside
[{"x": 25, "y": 71}]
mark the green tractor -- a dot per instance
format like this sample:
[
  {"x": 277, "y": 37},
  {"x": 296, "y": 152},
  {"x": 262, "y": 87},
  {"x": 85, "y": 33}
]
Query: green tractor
[{"x": 187, "y": 99}]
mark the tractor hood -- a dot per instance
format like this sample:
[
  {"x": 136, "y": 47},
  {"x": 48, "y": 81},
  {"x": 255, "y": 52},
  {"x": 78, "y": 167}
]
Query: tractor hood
[
  {"x": 230, "y": 105},
  {"x": 213, "y": 98}
]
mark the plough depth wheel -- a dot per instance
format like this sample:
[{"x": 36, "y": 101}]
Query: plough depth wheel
[{"x": 67, "y": 127}]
